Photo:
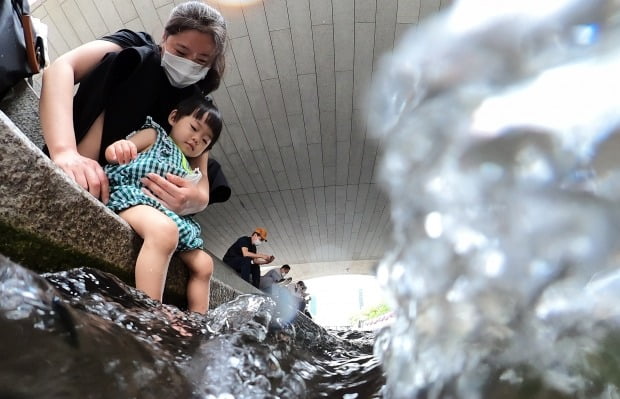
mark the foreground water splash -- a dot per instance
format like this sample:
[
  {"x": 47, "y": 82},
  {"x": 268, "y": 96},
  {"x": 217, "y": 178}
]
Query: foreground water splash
[
  {"x": 500, "y": 122},
  {"x": 85, "y": 334}
]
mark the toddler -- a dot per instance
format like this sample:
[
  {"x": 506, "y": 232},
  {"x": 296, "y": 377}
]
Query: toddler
[{"x": 196, "y": 126}]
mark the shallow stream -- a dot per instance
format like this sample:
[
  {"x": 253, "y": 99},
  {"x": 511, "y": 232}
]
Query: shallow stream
[
  {"x": 499, "y": 129},
  {"x": 85, "y": 334}
]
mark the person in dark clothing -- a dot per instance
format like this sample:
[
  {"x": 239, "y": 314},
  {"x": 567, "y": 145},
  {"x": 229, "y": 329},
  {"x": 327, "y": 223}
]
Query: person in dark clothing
[
  {"x": 243, "y": 257},
  {"x": 125, "y": 77}
]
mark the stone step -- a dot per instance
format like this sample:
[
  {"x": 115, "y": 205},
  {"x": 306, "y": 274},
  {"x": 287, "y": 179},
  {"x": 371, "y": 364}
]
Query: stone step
[{"x": 48, "y": 223}]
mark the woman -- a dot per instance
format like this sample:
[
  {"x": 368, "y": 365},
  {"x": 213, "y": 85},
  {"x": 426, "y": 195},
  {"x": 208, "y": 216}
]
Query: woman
[{"x": 125, "y": 77}]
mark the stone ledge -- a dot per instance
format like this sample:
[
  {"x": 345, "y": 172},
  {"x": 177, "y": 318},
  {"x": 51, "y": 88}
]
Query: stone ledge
[{"x": 42, "y": 212}]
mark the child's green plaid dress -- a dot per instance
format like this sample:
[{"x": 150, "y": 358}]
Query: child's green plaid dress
[{"x": 126, "y": 189}]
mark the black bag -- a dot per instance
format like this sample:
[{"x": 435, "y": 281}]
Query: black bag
[{"x": 21, "y": 50}]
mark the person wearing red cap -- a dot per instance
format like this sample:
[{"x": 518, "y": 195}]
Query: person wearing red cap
[{"x": 243, "y": 257}]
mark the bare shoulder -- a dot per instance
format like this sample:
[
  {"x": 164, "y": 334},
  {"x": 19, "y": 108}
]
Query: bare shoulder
[
  {"x": 144, "y": 138},
  {"x": 146, "y": 133}
]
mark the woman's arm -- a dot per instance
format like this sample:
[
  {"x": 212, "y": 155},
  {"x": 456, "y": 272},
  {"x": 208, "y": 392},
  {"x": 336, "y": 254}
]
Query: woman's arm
[
  {"x": 56, "y": 109},
  {"x": 178, "y": 194}
]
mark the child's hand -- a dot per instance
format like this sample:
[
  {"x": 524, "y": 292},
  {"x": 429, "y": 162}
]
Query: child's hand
[{"x": 121, "y": 152}]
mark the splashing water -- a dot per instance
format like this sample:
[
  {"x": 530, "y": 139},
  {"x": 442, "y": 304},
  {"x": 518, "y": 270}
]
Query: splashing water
[
  {"x": 85, "y": 334},
  {"x": 499, "y": 120}
]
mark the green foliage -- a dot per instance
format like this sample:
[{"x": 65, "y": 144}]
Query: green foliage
[
  {"x": 376, "y": 311},
  {"x": 371, "y": 313}
]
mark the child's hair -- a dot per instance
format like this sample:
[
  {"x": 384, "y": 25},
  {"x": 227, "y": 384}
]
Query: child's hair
[{"x": 197, "y": 106}]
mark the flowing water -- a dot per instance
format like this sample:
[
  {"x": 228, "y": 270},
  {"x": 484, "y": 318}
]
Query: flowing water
[
  {"x": 85, "y": 334},
  {"x": 500, "y": 122}
]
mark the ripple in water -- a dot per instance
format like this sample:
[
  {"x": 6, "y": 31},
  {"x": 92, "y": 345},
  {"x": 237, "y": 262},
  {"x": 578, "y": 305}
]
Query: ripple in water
[
  {"x": 500, "y": 123},
  {"x": 85, "y": 334}
]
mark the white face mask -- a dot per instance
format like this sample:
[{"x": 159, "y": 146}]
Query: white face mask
[
  {"x": 257, "y": 242},
  {"x": 182, "y": 72}
]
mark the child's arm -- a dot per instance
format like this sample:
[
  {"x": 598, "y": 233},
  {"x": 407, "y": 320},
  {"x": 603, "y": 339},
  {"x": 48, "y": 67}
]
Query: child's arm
[{"x": 124, "y": 151}]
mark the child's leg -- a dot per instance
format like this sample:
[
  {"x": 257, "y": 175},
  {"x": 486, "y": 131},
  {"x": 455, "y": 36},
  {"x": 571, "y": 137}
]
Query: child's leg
[
  {"x": 200, "y": 267},
  {"x": 160, "y": 235}
]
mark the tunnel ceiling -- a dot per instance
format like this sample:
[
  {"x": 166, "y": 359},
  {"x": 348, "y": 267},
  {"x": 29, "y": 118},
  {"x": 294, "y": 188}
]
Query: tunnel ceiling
[{"x": 295, "y": 147}]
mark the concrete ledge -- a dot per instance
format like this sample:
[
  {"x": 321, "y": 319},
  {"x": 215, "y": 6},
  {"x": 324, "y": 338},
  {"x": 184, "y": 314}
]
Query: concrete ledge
[
  {"x": 49, "y": 223},
  {"x": 21, "y": 105}
]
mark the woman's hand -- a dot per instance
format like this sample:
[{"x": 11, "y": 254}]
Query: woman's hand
[
  {"x": 121, "y": 152},
  {"x": 176, "y": 193},
  {"x": 86, "y": 172},
  {"x": 56, "y": 114}
]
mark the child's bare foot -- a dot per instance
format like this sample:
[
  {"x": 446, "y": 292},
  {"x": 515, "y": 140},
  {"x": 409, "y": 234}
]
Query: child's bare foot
[{"x": 174, "y": 315}]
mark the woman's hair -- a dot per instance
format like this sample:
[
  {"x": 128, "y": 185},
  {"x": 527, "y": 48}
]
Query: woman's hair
[
  {"x": 197, "y": 106},
  {"x": 196, "y": 15}
]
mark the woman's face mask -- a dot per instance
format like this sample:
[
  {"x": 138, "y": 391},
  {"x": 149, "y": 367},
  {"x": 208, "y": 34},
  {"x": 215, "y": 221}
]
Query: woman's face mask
[
  {"x": 182, "y": 72},
  {"x": 257, "y": 242}
]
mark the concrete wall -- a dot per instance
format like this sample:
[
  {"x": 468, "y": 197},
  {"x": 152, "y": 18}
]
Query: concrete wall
[
  {"x": 49, "y": 223},
  {"x": 306, "y": 271}
]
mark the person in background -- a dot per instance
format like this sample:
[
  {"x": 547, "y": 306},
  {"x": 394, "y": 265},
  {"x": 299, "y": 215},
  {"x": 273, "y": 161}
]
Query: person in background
[
  {"x": 298, "y": 290},
  {"x": 273, "y": 276},
  {"x": 123, "y": 78},
  {"x": 243, "y": 257},
  {"x": 196, "y": 126}
]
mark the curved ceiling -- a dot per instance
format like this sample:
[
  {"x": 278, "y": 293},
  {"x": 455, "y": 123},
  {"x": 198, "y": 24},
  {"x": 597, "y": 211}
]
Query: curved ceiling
[{"x": 295, "y": 147}]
